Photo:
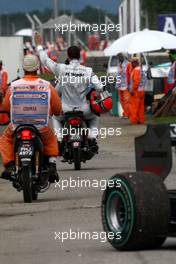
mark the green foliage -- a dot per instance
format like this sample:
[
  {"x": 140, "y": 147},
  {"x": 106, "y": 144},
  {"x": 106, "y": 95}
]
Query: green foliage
[
  {"x": 10, "y": 23},
  {"x": 94, "y": 15},
  {"x": 47, "y": 76},
  {"x": 161, "y": 120},
  {"x": 157, "y": 7}
]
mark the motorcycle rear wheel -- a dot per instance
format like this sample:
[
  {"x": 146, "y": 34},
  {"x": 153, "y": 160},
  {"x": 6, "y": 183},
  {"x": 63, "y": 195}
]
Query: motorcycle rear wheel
[
  {"x": 27, "y": 184},
  {"x": 77, "y": 159}
]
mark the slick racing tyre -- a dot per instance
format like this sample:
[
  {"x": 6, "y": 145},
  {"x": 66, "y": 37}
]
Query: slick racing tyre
[{"x": 136, "y": 210}]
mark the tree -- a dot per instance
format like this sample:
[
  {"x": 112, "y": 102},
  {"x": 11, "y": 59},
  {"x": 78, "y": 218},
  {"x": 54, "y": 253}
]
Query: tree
[{"x": 157, "y": 7}]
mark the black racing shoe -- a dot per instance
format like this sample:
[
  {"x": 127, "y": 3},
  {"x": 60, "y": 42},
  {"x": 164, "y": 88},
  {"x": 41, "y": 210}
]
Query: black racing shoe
[
  {"x": 61, "y": 148},
  {"x": 93, "y": 145},
  {"x": 53, "y": 175},
  {"x": 44, "y": 180},
  {"x": 9, "y": 171}
]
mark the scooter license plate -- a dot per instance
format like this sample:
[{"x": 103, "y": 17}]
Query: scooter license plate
[
  {"x": 25, "y": 150},
  {"x": 75, "y": 138},
  {"x": 76, "y": 144}
]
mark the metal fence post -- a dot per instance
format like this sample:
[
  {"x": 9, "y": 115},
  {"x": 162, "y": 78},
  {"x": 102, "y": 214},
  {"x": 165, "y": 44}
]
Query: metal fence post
[
  {"x": 115, "y": 111},
  {"x": 112, "y": 89}
]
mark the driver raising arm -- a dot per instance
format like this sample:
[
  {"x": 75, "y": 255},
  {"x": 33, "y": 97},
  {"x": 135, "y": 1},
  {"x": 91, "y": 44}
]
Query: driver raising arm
[{"x": 74, "y": 80}]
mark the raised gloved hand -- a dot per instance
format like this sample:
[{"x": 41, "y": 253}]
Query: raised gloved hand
[
  {"x": 174, "y": 91},
  {"x": 37, "y": 39}
]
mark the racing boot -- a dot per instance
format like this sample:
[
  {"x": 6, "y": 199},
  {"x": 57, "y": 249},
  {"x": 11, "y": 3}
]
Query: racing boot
[
  {"x": 9, "y": 171},
  {"x": 44, "y": 180},
  {"x": 53, "y": 175},
  {"x": 93, "y": 145}
]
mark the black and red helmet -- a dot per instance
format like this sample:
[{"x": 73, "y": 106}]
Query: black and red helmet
[{"x": 102, "y": 103}]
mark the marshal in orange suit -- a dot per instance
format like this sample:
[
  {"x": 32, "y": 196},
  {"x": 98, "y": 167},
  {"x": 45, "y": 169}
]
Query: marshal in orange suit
[
  {"x": 138, "y": 81},
  {"x": 31, "y": 82},
  {"x": 3, "y": 88}
]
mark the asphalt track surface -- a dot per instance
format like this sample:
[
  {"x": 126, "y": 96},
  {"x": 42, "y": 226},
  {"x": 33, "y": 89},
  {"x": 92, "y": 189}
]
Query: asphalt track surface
[{"x": 29, "y": 232}]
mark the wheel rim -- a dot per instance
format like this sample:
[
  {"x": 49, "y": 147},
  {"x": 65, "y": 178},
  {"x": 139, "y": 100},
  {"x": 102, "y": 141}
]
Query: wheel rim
[
  {"x": 120, "y": 213},
  {"x": 117, "y": 211}
]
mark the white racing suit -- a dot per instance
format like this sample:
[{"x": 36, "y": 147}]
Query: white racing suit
[{"x": 73, "y": 82}]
